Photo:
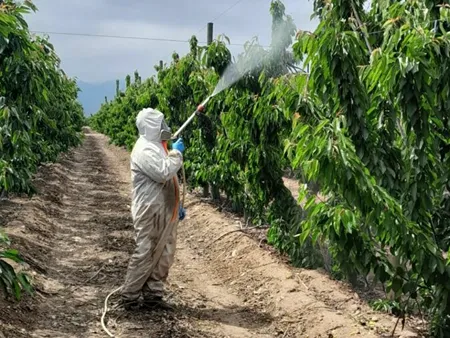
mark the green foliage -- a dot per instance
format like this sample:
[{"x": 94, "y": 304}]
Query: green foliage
[
  {"x": 39, "y": 114},
  {"x": 39, "y": 118},
  {"x": 387, "y": 306},
  {"x": 11, "y": 282},
  {"x": 375, "y": 134}
]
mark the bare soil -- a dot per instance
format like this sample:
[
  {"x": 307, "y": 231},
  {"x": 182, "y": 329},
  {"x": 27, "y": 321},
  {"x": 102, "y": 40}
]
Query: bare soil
[{"x": 76, "y": 236}]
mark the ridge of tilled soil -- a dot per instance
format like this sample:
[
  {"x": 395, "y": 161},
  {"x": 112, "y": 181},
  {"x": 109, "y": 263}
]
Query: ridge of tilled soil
[{"x": 76, "y": 235}]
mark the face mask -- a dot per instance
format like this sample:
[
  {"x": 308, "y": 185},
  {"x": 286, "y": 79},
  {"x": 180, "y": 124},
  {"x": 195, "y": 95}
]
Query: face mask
[{"x": 165, "y": 133}]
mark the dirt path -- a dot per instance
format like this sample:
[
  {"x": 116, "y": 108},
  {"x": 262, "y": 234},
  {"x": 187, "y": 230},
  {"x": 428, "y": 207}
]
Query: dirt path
[{"x": 76, "y": 236}]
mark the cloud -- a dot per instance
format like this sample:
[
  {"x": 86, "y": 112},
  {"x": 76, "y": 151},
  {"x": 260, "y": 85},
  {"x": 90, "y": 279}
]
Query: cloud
[{"x": 95, "y": 59}]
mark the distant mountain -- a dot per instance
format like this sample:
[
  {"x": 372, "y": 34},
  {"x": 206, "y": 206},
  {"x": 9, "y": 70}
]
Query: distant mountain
[{"x": 92, "y": 95}]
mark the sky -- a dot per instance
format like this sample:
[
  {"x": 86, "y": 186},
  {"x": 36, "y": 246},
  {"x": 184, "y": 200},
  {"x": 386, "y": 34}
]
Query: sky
[{"x": 99, "y": 59}]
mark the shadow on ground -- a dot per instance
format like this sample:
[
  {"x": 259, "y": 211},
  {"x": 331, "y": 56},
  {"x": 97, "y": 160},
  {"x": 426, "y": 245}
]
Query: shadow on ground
[{"x": 180, "y": 319}]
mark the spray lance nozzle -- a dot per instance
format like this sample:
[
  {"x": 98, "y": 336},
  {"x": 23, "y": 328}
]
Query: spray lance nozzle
[{"x": 200, "y": 108}]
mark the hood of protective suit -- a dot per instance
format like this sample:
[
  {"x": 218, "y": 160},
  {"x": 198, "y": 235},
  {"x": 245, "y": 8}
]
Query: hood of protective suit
[{"x": 152, "y": 126}]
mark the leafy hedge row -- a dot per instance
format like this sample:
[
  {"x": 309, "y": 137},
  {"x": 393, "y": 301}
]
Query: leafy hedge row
[
  {"x": 39, "y": 117},
  {"x": 39, "y": 113},
  {"x": 374, "y": 133},
  {"x": 369, "y": 124}
]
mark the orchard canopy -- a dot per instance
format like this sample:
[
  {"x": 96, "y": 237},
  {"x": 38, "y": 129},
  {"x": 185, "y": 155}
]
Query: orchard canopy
[{"x": 358, "y": 109}]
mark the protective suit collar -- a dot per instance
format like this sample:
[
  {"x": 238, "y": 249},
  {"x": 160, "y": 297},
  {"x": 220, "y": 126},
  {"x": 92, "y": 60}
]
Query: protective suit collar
[{"x": 152, "y": 126}]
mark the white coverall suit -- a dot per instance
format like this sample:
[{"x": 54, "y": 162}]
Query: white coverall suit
[{"x": 155, "y": 206}]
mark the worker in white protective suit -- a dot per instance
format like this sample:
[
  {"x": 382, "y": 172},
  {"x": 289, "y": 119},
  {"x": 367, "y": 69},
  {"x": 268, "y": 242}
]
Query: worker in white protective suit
[{"x": 155, "y": 209}]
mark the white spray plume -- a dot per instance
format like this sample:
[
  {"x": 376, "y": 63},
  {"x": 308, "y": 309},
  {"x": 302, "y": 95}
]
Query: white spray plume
[
  {"x": 255, "y": 57},
  {"x": 250, "y": 60}
]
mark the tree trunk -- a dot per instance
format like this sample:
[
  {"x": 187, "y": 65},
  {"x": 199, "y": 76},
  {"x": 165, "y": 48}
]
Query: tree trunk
[
  {"x": 206, "y": 190},
  {"x": 215, "y": 192}
]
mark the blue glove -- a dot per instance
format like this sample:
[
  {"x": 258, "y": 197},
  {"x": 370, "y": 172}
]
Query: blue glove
[
  {"x": 181, "y": 213},
  {"x": 178, "y": 145}
]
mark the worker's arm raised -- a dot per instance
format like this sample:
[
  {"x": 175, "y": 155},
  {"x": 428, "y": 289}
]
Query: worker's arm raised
[{"x": 159, "y": 168}]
